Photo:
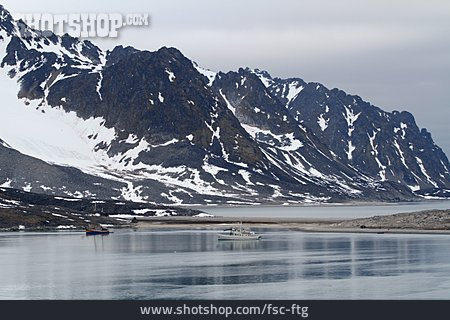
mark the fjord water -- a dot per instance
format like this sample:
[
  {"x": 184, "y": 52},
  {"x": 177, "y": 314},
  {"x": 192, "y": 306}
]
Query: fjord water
[
  {"x": 193, "y": 264},
  {"x": 336, "y": 211}
]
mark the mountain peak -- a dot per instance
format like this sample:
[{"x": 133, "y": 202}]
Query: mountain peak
[
  {"x": 260, "y": 72},
  {"x": 4, "y": 15},
  {"x": 6, "y": 20},
  {"x": 2, "y": 10},
  {"x": 154, "y": 126},
  {"x": 169, "y": 50}
]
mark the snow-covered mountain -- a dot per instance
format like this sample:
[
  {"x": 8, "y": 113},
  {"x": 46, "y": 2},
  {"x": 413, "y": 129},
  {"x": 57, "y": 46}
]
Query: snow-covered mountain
[
  {"x": 384, "y": 145},
  {"x": 156, "y": 127}
]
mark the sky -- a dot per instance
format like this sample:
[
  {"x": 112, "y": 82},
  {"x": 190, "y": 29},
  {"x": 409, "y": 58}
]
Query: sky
[{"x": 393, "y": 53}]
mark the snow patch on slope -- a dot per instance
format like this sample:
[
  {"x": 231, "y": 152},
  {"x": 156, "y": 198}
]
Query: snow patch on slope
[
  {"x": 132, "y": 193},
  {"x": 350, "y": 149},
  {"x": 374, "y": 152},
  {"x": 6, "y": 184},
  {"x": 211, "y": 75},
  {"x": 425, "y": 173},
  {"x": 229, "y": 105},
  {"x": 51, "y": 134},
  {"x": 246, "y": 176},
  {"x": 293, "y": 89},
  {"x": 286, "y": 142},
  {"x": 323, "y": 123},
  {"x": 267, "y": 81},
  {"x": 171, "y": 75},
  {"x": 351, "y": 118},
  {"x": 160, "y": 97}
]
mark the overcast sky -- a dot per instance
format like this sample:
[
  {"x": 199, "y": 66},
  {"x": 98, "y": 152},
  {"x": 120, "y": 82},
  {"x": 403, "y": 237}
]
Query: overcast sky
[{"x": 393, "y": 53}]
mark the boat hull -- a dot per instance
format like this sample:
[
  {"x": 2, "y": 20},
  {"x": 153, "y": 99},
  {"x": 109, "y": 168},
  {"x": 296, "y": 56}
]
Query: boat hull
[
  {"x": 238, "y": 237},
  {"x": 95, "y": 232}
]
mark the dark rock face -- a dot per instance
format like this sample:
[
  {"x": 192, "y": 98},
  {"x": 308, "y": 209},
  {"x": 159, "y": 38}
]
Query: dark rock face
[
  {"x": 383, "y": 145},
  {"x": 290, "y": 146},
  {"x": 159, "y": 130}
]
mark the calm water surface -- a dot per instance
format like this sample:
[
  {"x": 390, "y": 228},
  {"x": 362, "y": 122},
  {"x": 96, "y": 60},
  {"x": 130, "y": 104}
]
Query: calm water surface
[
  {"x": 326, "y": 211},
  {"x": 193, "y": 264}
]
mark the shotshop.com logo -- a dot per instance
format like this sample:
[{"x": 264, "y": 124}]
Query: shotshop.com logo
[{"x": 80, "y": 25}]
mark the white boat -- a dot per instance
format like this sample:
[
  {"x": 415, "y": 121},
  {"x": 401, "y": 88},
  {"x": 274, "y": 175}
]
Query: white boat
[{"x": 239, "y": 234}]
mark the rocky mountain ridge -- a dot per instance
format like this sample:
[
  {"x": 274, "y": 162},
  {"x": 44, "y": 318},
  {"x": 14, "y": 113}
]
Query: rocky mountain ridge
[{"x": 155, "y": 127}]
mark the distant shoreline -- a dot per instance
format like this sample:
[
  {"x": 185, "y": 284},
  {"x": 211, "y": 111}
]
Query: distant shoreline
[
  {"x": 319, "y": 204},
  {"x": 422, "y": 222}
]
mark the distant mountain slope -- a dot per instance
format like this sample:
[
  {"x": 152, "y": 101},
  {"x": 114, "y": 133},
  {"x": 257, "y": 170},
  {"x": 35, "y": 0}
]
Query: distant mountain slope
[
  {"x": 155, "y": 127},
  {"x": 384, "y": 145}
]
